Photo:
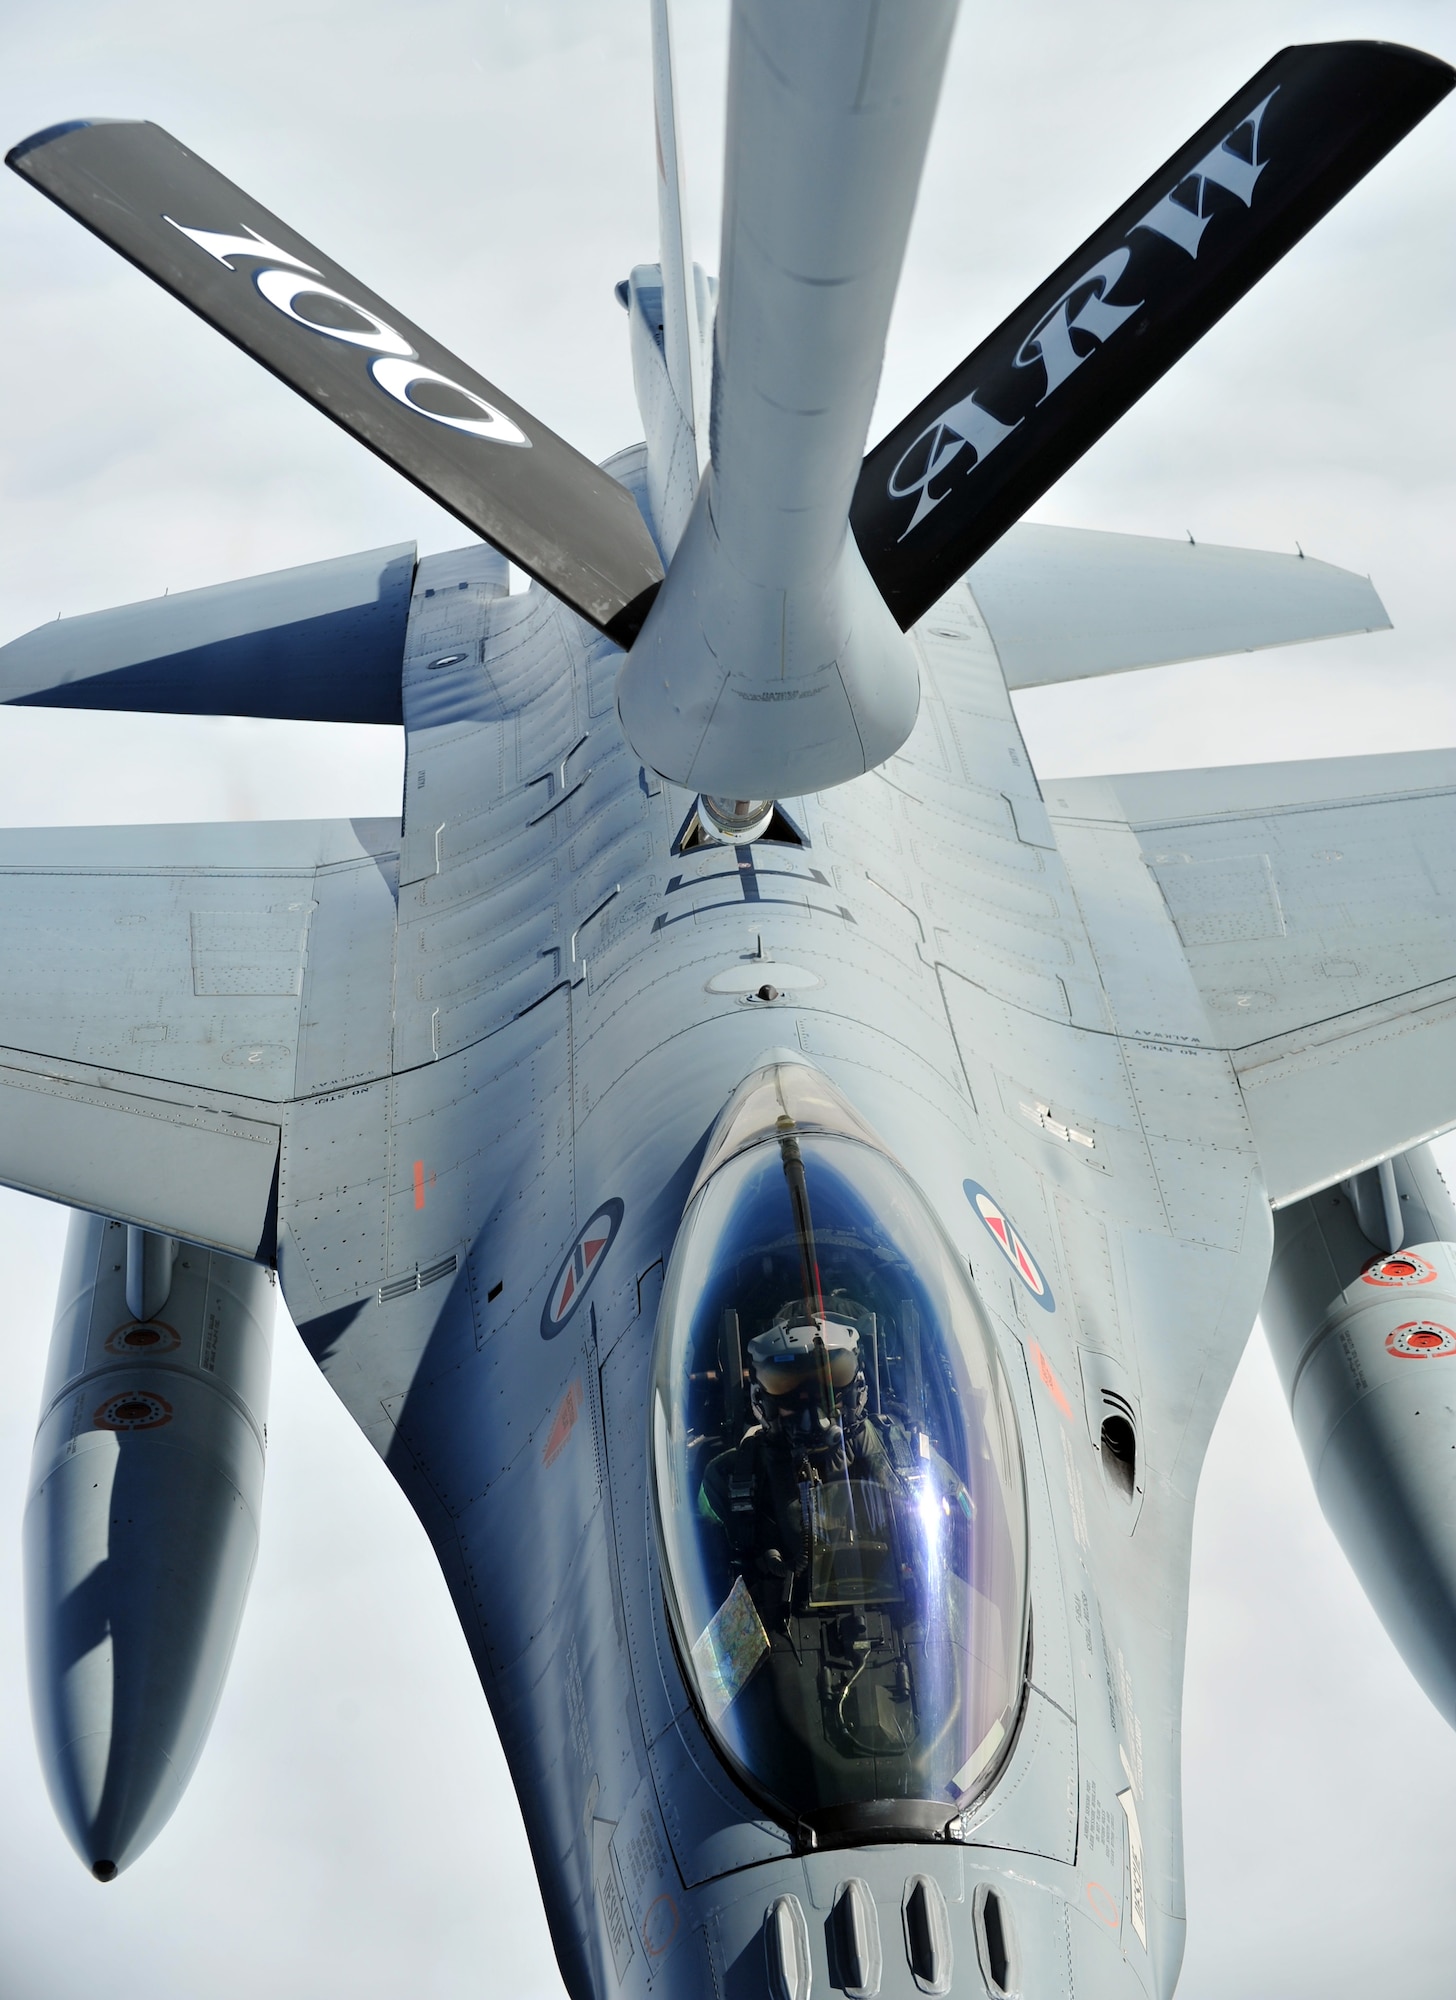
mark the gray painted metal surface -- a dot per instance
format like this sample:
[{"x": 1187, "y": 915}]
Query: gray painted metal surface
[
  {"x": 316, "y": 644},
  {"x": 167, "y": 1005},
  {"x": 141, "y": 1528},
  {"x": 685, "y": 320},
  {"x": 550, "y": 1018},
  {"x": 454, "y": 1078},
  {"x": 769, "y": 663},
  {"x": 579, "y": 1054},
  {"x": 1064, "y": 604},
  {"x": 673, "y": 446},
  {"x": 1362, "y": 1342},
  {"x": 1314, "y": 905}
]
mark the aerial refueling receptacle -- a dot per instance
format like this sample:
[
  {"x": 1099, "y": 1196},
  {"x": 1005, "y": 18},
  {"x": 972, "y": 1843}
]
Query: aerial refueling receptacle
[
  {"x": 1360, "y": 1313},
  {"x": 141, "y": 1527}
]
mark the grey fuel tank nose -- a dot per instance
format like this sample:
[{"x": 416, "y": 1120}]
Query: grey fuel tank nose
[{"x": 141, "y": 1528}]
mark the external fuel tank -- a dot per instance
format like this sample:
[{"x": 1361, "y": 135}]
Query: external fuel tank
[
  {"x": 1360, "y": 1313},
  {"x": 141, "y": 1528}
]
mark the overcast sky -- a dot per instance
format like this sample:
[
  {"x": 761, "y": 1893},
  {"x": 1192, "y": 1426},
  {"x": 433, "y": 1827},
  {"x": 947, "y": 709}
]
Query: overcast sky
[{"x": 489, "y": 168}]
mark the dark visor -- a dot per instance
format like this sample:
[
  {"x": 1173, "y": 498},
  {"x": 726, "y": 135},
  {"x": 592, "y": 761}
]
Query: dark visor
[{"x": 785, "y": 1373}]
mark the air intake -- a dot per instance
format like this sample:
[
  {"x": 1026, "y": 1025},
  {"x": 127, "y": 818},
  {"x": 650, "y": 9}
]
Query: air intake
[
  {"x": 1119, "y": 1453},
  {"x": 995, "y": 1943},
  {"x": 927, "y": 1934}
]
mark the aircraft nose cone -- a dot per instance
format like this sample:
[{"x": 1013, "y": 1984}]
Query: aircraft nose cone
[{"x": 104, "y": 1871}]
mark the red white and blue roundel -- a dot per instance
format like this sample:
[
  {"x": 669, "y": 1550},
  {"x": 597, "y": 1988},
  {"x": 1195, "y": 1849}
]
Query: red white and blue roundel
[
  {"x": 1009, "y": 1243},
  {"x": 579, "y": 1267}
]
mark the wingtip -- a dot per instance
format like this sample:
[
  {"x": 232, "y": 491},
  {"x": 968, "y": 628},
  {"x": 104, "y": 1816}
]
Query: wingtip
[
  {"x": 43, "y": 138},
  {"x": 1421, "y": 59}
]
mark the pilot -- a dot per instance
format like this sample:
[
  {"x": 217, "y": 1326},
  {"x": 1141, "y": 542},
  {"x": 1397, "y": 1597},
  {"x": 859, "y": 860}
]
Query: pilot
[{"x": 808, "y": 1392}]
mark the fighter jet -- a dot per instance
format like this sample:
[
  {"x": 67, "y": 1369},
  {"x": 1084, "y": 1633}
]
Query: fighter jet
[{"x": 784, "y": 1193}]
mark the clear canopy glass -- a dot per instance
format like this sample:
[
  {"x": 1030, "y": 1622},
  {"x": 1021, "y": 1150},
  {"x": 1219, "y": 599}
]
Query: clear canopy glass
[{"x": 838, "y": 1477}]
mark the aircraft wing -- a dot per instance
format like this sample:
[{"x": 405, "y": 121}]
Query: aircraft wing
[
  {"x": 167, "y": 991},
  {"x": 321, "y": 643},
  {"x": 1067, "y": 604},
  {"x": 1317, "y": 905}
]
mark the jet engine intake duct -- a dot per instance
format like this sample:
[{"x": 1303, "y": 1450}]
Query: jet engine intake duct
[
  {"x": 1360, "y": 1313},
  {"x": 141, "y": 1527}
]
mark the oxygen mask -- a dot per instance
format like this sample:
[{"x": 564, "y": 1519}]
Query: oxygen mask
[{"x": 807, "y": 1384}]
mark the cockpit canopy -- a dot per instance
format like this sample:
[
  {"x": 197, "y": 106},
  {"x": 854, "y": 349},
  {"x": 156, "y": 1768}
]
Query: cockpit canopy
[{"x": 838, "y": 1477}]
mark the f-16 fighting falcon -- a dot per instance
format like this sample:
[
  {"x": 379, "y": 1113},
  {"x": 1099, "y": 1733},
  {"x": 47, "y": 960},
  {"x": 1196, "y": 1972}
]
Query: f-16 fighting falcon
[{"x": 784, "y": 1192}]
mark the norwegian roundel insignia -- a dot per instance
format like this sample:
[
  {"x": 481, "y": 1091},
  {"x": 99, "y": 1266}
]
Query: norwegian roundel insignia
[
  {"x": 1401, "y": 1267},
  {"x": 1420, "y": 1340},
  {"x": 1009, "y": 1243},
  {"x": 579, "y": 1267}
]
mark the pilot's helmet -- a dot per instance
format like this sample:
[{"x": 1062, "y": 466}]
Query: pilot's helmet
[{"x": 788, "y": 1366}]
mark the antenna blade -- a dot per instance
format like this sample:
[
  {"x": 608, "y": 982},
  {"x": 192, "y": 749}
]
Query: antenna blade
[
  {"x": 951, "y": 479},
  {"x": 349, "y": 353}
]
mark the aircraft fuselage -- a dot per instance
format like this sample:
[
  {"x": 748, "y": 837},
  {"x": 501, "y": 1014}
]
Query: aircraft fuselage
[{"x": 574, "y": 1004}]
